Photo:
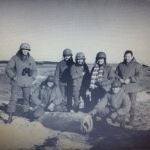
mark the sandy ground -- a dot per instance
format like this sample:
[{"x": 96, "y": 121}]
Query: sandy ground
[{"x": 23, "y": 134}]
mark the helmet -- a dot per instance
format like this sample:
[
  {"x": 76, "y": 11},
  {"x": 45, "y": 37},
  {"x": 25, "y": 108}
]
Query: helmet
[
  {"x": 67, "y": 52},
  {"x": 50, "y": 78},
  {"x": 116, "y": 84},
  {"x": 25, "y": 46},
  {"x": 80, "y": 55},
  {"x": 100, "y": 55}
]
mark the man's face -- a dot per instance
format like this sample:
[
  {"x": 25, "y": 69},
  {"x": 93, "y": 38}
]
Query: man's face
[
  {"x": 80, "y": 61},
  {"x": 128, "y": 57},
  {"x": 100, "y": 61},
  {"x": 115, "y": 89},
  {"x": 25, "y": 52},
  {"x": 67, "y": 57},
  {"x": 49, "y": 84}
]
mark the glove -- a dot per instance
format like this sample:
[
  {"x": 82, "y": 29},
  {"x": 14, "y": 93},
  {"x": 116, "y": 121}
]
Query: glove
[
  {"x": 81, "y": 104},
  {"x": 14, "y": 78},
  {"x": 127, "y": 81},
  {"x": 51, "y": 107},
  {"x": 114, "y": 116},
  {"x": 88, "y": 95}
]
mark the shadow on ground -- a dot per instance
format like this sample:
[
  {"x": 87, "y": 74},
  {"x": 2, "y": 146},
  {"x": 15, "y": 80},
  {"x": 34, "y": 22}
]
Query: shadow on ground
[{"x": 106, "y": 137}]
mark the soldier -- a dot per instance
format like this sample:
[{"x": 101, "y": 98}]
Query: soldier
[
  {"x": 102, "y": 76},
  {"x": 115, "y": 105},
  {"x": 47, "y": 97},
  {"x": 63, "y": 79},
  {"x": 80, "y": 76},
  {"x": 129, "y": 72},
  {"x": 21, "y": 69}
]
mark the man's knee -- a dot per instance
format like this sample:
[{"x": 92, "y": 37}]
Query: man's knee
[
  {"x": 26, "y": 93},
  {"x": 104, "y": 112},
  {"x": 132, "y": 96},
  {"x": 11, "y": 107}
]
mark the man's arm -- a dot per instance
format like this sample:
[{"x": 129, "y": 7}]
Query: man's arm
[
  {"x": 34, "y": 69},
  {"x": 99, "y": 106},
  {"x": 118, "y": 76},
  {"x": 111, "y": 74},
  {"x": 35, "y": 97},
  {"x": 126, "y": 105},
  {"x": 138, "y": 74},
  {"x": 57, "y": 73},
  {"x": 10, "y": 69}
]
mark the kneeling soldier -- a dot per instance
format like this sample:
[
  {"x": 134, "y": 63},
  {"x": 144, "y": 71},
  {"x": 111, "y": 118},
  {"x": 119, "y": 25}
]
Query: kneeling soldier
[
  {"x": 47, "y": 97},
  {"x": 115, "y": 105}
]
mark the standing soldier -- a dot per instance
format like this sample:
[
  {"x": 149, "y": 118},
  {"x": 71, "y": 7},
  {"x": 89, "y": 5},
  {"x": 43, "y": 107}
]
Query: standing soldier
[
  {"x": 63, "y": 79},
  {"x": 129, "y": 73},
  {"x": 21, "y": 69},
  {"x": 80, "y": 76},
  {"x": 102, "y": 76}
]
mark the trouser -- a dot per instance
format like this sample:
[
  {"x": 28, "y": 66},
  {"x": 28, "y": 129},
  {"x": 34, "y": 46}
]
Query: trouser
[
  {"x": 76, "y": 98},
  {"x": 97, "y": 94},
  {"x": 133, "y": 105},
  {"x": 132, "y": 89},
  {"x": 15, "y": 94},
  {"x": 106, "y": 113},
  {"x": 66, "y": 91}
]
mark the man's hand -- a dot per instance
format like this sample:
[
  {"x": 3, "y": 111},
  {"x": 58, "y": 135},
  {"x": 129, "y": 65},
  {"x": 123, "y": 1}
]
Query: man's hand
[
  {"x": 114, "y": 116},
  {"x": 83, "y": 73},
  {"x": 14, "y": 78},
  {"x": 127, "y": 81},
  {"x": 92, "y": 113},
  {"x": 88, "y": 94},
  {"x": 33, "y": 78},
  {"x": 122, "y": 81},
  {"x": 51, "y": 107}
]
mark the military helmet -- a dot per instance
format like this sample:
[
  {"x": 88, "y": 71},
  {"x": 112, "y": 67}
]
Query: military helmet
[
  {"x": 80, "y": 55},
  {"x": 25, "y": 46},
  {"x": 116, "y": 84},
  {"x": 67, "y": 52},
  {"x": 100, "y": 55},
  {"x": 50, "y": 78}
]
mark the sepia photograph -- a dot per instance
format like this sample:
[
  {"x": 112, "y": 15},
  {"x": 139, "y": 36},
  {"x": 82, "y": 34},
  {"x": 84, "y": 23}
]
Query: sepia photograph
[{"x": 74, "y": 75}]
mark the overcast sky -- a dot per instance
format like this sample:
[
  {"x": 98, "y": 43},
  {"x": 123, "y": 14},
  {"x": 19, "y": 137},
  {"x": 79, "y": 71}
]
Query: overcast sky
[{"x": 82, "y": 25}]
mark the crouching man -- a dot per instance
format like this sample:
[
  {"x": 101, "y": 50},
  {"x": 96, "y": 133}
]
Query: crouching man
[
  {"x": 115, "y": 105},
  {"x": 47, "y": 97}
]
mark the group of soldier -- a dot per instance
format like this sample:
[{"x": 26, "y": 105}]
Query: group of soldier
[{"x": 104, "y": 91}]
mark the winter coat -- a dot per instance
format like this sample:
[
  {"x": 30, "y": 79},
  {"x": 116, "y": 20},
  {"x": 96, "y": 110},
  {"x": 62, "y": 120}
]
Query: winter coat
[
  {"x": 132, "y": 71},
  {"x": 80, "y": 81},
  {"x": 62, "y": 73},
  {"x": 23, "y": 70},
  {"x": 46, "y": 95},
  {"x": 101, "y": 76},
  {"x": 119, "y": 102}
]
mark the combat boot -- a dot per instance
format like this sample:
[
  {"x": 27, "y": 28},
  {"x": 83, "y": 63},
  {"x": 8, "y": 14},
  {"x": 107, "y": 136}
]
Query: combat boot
[
  {"x": 10, "y": 118},
  {"x": 131, "y": 119},
  {"x": 122, "y": 124}
]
